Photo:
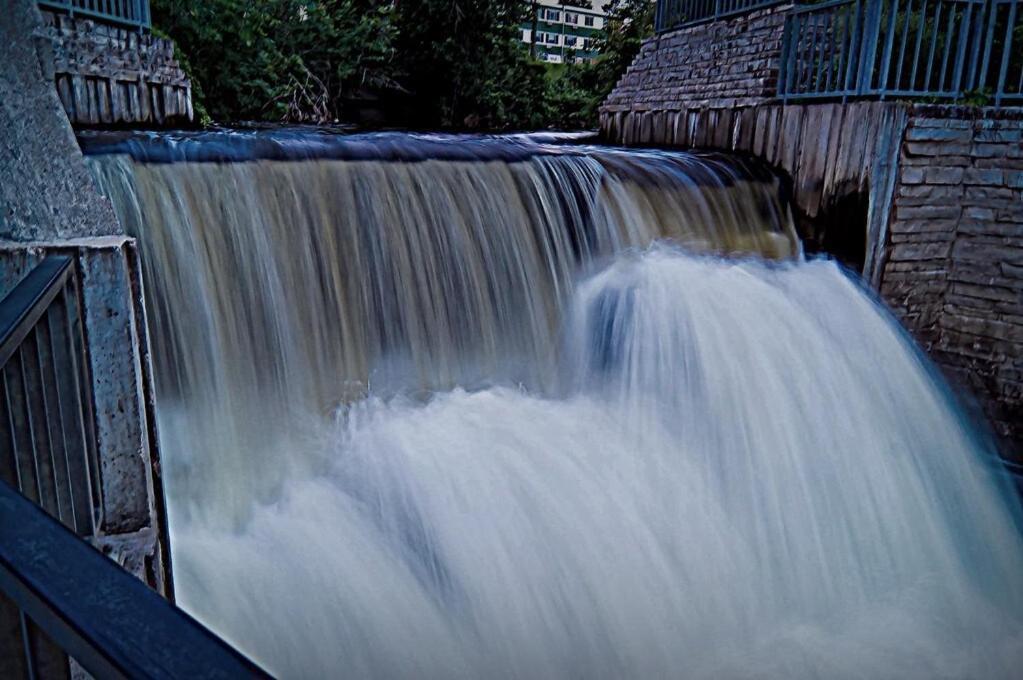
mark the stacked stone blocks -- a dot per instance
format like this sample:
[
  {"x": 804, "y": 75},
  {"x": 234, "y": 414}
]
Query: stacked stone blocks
[
  {"x": 954, "y": 273},
  {"x": 718, "y": 64},
  {"x": 107, "y": 75}
]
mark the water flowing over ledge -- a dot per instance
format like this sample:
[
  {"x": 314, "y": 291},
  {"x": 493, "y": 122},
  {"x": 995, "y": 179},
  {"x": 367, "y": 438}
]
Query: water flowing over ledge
[{"x": 457, "y": 417}]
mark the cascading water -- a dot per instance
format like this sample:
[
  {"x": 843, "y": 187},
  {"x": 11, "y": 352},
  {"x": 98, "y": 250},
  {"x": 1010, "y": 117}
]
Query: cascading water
[{"x": 438, "y": 407}]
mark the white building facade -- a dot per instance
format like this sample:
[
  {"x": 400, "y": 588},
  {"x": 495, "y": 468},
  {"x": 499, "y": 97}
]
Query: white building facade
[{"x": 564, "y": 33}]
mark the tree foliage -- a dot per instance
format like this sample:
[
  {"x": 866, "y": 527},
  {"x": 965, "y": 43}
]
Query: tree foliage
[
  {"x": 463, "y": 63},
  {"x": 580, "y": 89},
  {"x": 456, "y": 63},
  {"x": 278, "y": 59}
]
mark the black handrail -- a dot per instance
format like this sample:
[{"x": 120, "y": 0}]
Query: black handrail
[
  {"x": 111, "y": 623},
  {"x": 60, "y": 598}
]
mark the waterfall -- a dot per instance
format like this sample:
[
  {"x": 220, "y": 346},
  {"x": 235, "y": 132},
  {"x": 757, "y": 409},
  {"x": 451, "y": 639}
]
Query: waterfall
[{"x": 469, "y": 407}]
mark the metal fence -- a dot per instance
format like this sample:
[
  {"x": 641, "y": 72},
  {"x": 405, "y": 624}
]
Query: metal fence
[
  {"x": 672, "y": 14},
  {"x": 961, "y": 50},
  {"x": 60, "y": 598},
  {"x": 130, "y": 13},
  {"x": 47, "y": 436}
]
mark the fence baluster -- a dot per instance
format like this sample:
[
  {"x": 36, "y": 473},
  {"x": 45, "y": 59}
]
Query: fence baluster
[
  {"x": 934, "y": 45},
  {"x": 903, "y": 39},
  {"x": 960, "y": 65},
  {"x": 131, "y": 13},
  {"x": 893, "y": 12},
  {"x": 1003, "y": 70}
]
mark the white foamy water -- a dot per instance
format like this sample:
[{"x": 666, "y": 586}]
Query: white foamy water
[
  {"x": 757, "y": 476},
  {"x": 664, "y": 465}
]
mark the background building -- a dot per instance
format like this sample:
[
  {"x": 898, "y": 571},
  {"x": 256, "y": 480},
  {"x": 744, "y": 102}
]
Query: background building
[{"x": 564, "y": 32}]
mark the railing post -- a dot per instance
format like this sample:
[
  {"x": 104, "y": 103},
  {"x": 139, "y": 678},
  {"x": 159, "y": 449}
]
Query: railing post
[
  {"x": 783, "y": 62},
  {"x": 868, "y": 46},
  {"x": 960, "y": 64},
  {"x": 1003, "y": 71}
]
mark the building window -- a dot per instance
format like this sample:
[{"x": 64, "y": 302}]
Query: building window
[
  {"x": 588, "y": 21},
  {"x": 587, "y": 43},
  {"x": 571, "y": 18},
  {"x": 553, "y": 15}
]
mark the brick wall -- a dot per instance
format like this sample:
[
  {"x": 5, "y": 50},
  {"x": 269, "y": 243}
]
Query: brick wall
[
  {"x": 107, "y": 75},
  {"x": 954, "y": 274},
  {"x": 719, "y": 64}
]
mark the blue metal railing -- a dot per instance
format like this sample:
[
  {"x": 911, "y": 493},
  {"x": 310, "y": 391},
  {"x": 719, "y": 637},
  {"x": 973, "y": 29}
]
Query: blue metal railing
[
  {"x": 60, "y": 598},
  {"x": 129, "y": 13},
  {"x": 958, "y": 50},
  {"x": 672, "y": 14},
  {"x": 47, "y": 436}
]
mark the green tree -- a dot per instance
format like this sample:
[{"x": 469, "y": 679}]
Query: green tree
[
  {"x": 291, "y": 60},
  {"x": 458, "y": 63},
  {"x": 576, "y": 91},
  {"x": 628, "y": 24},
  {"x": 464, "y": 66}
]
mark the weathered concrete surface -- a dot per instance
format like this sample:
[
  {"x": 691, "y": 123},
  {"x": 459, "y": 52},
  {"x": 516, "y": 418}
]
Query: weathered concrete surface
[
  {"x": 48, "y": 203},
  {"x": 107, "y": 75},
  {"x": 120, "y": 368},
  {"x": 45, "y": 190}
]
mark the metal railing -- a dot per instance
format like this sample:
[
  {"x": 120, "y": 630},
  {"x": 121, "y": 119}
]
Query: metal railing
[
  {"x": 131, "y": 13},
  {"x": 72, "y": 602},
  {"x": 47, "y": 436},
  {"x": 60, "y": 598},
  {"x": 960, "y": 50},
  {"x": 672, "y": 14}
]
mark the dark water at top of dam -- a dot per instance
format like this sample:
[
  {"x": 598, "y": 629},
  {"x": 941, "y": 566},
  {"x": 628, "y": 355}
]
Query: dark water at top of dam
[{"x": 453, "y": 406}]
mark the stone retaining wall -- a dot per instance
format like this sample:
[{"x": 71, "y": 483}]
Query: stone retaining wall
[
  {"x": 954, "y": 271},
  {"x": 717, "y": 64},
  {"x": 113, "y": 76}
]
